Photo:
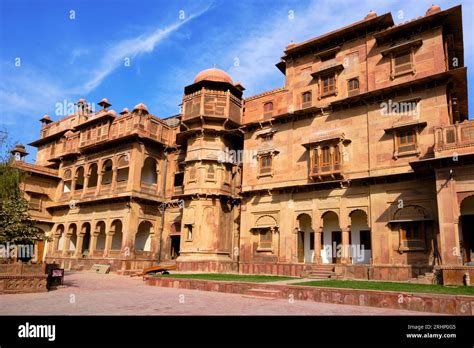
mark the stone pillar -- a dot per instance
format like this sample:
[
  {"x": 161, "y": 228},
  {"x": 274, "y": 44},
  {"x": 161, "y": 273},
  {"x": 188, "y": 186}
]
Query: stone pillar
[
  {"x": 67, "y": 241},
  {"x": 114, "y": 178},
  {"x": 99, "y": 180},
  {"x": 109, "y": 235},
  {"x": 317, "y": 245},
  {"x": 80, "y": 240},
  {"x": 93, "y": 243},
  {"x": 86, "y": 183},
  {"x": 345, "y": 244}
]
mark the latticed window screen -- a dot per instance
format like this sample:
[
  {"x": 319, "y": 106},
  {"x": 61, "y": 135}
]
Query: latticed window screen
[{"x": 266, "y": 238}]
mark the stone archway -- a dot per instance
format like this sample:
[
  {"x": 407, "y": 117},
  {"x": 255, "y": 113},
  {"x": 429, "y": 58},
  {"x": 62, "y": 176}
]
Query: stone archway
[
  {"x": 466, "y": 224},
  {"x": 360, "y": 237},
  {"x": 331, "y": 237},
  {"x": 305, "y": 239}
]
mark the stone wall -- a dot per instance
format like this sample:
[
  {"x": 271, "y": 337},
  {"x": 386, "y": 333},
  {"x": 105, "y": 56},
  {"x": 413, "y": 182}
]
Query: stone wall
[
  {"x": 433, "y": 303},
  {"x": 19, "y": 278}
]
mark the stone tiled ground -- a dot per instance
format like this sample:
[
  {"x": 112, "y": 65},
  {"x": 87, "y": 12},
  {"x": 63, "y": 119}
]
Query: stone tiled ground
[{"x": 94, "y": 294}]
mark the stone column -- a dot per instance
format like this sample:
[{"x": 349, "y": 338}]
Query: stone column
[
  {"x": 114, "y": 178},
  {"x": 80, "y": 240},
  {"x": 99, "y": 181},
  {"x": 93, "y": 242},
  {"x": 345, "y": 244},
  {"x": 317, "y": 245},
  {"x": 67, "y": 241},
  {"x": 109, "y": 235},
  {"x": 86, "y": 183}
]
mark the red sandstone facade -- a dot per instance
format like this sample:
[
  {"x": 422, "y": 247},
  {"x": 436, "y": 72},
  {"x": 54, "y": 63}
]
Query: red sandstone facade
[{"x": 367, "y": 148}]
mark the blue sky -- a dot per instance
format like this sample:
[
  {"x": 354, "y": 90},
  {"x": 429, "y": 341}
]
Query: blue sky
[{"x": 66, "y": 55}]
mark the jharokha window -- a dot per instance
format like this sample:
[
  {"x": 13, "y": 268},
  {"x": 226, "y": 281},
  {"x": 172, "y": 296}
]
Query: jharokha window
[
  {"x": 265, "y": 165},
  {"x": 325, "y": 160},
  {"x": 265, "y": 239}
]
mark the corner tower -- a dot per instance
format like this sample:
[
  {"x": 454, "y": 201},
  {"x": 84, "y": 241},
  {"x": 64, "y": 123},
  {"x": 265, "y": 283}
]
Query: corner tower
[{"x": 210, "y": 139}]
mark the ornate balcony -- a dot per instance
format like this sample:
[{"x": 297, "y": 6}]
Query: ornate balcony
[{"x": 454, "y": 139}]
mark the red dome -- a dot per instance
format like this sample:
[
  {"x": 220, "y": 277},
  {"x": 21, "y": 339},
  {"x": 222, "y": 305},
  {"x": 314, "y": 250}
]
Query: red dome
[{"x": 213, "y": 74}]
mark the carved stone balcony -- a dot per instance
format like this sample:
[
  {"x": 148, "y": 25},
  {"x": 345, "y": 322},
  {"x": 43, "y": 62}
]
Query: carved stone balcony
[
  {"x": 327, "y": 172},
  {"x": 454, "y": 139}
]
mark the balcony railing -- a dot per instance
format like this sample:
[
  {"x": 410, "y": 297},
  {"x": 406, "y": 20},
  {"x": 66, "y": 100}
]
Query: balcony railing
[
  {"x": 454, "y": 136},
  {"x": 333, "y": 170}
]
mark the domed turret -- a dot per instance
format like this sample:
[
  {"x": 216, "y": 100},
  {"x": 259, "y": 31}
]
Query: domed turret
[
  {"x": 371, "y": 14},
  {"x": 433, "y": 9},
  {"x": 213, "y": 74}
]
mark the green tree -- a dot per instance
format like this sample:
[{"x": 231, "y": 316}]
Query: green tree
[{"x": 16, "y": 224}]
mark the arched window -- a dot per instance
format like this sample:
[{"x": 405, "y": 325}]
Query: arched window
[
  {"x": 92, "y": 175},
  {"x": 79, "y": 183},
  {"x": 72, "y": 232},
  {"x": 107, "y": 172},
  {"x": 353, "y": 84},
  {"x": 122, "y": 169},
  {"x": 149, "y": 174},
  {"x": 268, "y": 109},
  {"x": 67, "y": 181},
  {"x": 306, "y": 99},
  {"x": 60, "y": 236}
]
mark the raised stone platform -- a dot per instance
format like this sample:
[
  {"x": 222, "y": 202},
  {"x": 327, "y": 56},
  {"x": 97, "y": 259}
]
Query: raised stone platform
[
  {"x": 21, "y": 278},
  {"x": 433, "y": 303}
]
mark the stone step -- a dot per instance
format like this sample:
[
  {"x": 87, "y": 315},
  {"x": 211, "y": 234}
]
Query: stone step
[{"x": 263, "y": 293}]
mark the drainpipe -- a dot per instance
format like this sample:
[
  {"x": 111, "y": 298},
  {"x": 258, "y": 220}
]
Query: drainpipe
[{"x": 163, "y": 206}]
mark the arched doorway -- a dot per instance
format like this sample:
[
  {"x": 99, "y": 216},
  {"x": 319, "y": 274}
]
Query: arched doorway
[
  {"x": 100, "y": 231},
  {"x": 360, "y": 237},
  {"x": 305, "y": 239},
  {"x": 86, "y": 238},
  {"x": 60, "y": 237},
  {"x": 143, "y": 236},
  {"x": 117, "y": 235},
  {"x": 467, "y": 229},
  {"x": 72, "y": 237},
  {"x": 331, "y": 238},
  {"x": 175, "y": 238}
]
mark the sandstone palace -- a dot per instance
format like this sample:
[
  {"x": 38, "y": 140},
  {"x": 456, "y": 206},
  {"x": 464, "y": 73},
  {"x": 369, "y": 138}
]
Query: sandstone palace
[{"x": 360, "y": 166}]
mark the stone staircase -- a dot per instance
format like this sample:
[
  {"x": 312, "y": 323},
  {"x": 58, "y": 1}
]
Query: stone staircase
[
  {"x": 427, "y": 278},
  {"x": 319, "y": 272}
]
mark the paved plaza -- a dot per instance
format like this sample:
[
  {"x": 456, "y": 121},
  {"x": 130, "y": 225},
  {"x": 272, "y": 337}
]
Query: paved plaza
[{"x": 98, "y": 294}]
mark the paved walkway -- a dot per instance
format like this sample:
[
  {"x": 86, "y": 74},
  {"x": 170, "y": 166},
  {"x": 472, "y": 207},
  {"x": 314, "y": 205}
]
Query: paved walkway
[{"x": 109, "y": 294}]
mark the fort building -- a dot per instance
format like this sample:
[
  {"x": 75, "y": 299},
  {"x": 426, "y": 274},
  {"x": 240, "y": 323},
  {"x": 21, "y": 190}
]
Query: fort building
[{"x": 361, "y": 164}]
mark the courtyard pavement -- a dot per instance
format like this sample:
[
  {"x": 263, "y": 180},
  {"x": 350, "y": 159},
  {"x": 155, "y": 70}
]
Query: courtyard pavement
[{"x": 87, "y": 293}]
